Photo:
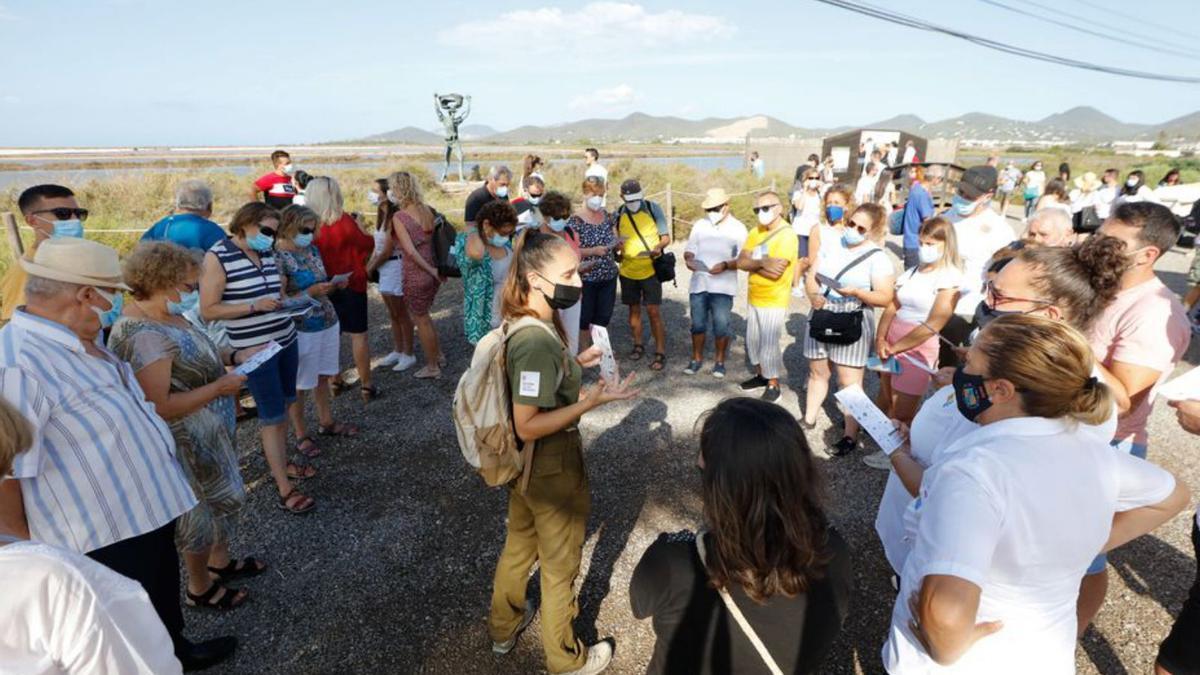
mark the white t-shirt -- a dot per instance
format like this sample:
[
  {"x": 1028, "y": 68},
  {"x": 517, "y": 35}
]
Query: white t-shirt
[
  {"x": 62, "y": 612},
  {"x": 867, "y": 274},
  {"x": 934, "y": 430},
  {"x": 598, "y": 171},
  {"x": 918, "y": 290},
  {"x": 1144, "y": 194},
  {"x": 864, "y": 192},
  {"x": 1104, "y": 200},
  {"x": 979, "y": 237},
  {"x": 1020, "y": 511},
  {"x": 1035, "y": 179},
  {"x": 1009, "y": 178},
  {"x": 808, "y": 214},
  {"x": 711, "y": 244},
  {"x": 910, "y": 153}
]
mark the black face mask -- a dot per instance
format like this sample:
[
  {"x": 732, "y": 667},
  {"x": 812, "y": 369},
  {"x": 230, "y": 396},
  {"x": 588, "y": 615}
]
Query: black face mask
[
  {"x": 970, "y": 394},
  {"x": 564, "y": 297}
]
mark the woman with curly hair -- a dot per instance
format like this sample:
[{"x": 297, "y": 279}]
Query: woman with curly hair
[
  {"x": 183, "y": 375},
  {"x": 484, "y": 256},
  {"x": 766, "y": 552}
]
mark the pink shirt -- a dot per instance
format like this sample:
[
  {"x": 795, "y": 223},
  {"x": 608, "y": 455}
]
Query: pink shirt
[{"x": 1144, "y": 326}]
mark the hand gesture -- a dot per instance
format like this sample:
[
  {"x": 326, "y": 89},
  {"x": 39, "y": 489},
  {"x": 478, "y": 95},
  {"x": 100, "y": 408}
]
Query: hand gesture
[
  {"x": 602, "y": 392},
  {"x": 718, "y": 268},
  {"x": 944, "y": 376},
  {"x": 590, "y": 357},
  {"x": 882, "y": 349},
  {"x": 981, "y": 630},
  {"x": 265, "y": 305},
  {"x": 319, "y": 289},
  {"x": 1188, "y": 414},
  {"x": 230, "y": 384},
  {"x": 903, "y": 431}
]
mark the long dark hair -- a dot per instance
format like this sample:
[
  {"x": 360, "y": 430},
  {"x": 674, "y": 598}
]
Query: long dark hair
[
  {"x": 531, "y": 253},
  {"x": 386, "y": 209},
  {"x": 762, "y": 496},
  {"x": 1141, "y": 180}
]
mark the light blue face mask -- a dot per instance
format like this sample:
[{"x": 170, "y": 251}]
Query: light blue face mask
[
  {"x": 67, "y": 228},
  {"x": 502, "y": 192},
  {"x": 186, "y": 302},
  {"x": 261, "y": 242},
  {"x": 962, "y": 206},
  {"x": 852, "y": 237},
  {"x": 557, "y": 224},
  {"x": 303, "y": 240},
  {"x": 500, "y": 241},
  {"x": 109, "y": 317}
]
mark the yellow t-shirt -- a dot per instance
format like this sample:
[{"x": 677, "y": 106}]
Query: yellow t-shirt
[
  {"x": 767, "y": 293},
  {"x": 634, "y": 266},
  {"x": 12, "y": 287}
]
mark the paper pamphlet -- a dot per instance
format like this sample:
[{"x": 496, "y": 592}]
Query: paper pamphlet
[
  {"x": 862, "y": 409},
  {"x": 608, "y": 363},
  {"x": 258, "y": 358},
  {"x": 828, "y": 282},
  {"x": 919, "y": 364},
  {"x": 297, "y": 306},
  {"x": 340, "y": 279},
  {"x": 889, "y": 366},
  {"x": 1186, "y": 387}
]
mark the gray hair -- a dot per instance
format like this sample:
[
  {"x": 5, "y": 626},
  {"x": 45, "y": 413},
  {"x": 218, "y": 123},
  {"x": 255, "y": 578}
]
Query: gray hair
[
  {"x": 193, "y": 195},
  {"x": 324, "y": 196},
  {"x": 45, "y": 289},
  {"x": 1055, "y": 218},
  {"x": 935, "y": 171},
  {"x": 498, "y": 171}
]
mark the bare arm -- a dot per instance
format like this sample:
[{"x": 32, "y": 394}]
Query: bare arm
[
  {"x": 1130, "y": 384},
  {"x": 437, "y": 108},
  {"x": 381, "y": 256},
  {"x": 156, "y": 383},
  {"x": 406, "y": 245},
  {"x": 475, "y": 248},
  {"x": 945, "y": 610},
  {"x": 879, "y": 295},
  {"x": 908, "y": 470},
  {"x": 212, "y": 287},
  {"x": 1129, "y": 525},
  {"x": 12, "y": 508},
  {"x": 532, "y": 422},
  {"x": 943, "y": 309}
]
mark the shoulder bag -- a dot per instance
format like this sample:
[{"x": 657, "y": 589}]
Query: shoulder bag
[
  {"x": 737, "y": 615},
  {"x": 664, "y": 265},
  {"x": 838, "y": 328}
]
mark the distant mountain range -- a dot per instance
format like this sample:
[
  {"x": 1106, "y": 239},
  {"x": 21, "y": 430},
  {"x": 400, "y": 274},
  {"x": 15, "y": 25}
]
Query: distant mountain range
[{"x": 1082, "y": 124}]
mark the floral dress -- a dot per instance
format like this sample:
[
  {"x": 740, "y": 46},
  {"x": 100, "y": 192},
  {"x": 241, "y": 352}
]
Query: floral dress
[
  {"x": 604, "y": 233},
  {"x": 303, "y": 268},
  {"x": 481, "y": 279},
  {"x": 204, "y": 439}
]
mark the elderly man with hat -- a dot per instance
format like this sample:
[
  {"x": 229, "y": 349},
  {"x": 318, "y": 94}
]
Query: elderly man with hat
[
  {"x": 644, "y": 232},
  {"x": 101, "y": 477},
  {"x": 711, "y": 254},
  {"x": 980, "y": 232}
]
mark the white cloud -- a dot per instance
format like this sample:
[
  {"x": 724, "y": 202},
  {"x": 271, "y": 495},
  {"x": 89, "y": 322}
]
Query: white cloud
[
  {"x": 608, "y": 98},
  {"x": 608, "y": 27}
]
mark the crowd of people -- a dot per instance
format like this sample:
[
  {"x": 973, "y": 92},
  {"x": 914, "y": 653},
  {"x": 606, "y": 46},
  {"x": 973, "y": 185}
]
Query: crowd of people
[{"x": 1020, "y": 374}]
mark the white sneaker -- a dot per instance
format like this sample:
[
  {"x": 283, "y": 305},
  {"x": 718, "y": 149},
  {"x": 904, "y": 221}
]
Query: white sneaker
[
  {"x": 878, "y": 460},
  {"x": 507, "y": 646},
  {"x": 599, "y": 657},
  {"x": 405, "y": 362},
  {"x": 389, "y": 360}
]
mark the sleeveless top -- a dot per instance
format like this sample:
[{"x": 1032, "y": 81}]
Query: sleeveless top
[{"x": 245, "y": 283}]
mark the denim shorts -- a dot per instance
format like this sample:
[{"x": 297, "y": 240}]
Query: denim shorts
[
  {"x": 716, "y": 306},
  {"x": 1137, "y": 450},
  {"x": 599, "y": 300},
  {"x": 273, "y": 385}
]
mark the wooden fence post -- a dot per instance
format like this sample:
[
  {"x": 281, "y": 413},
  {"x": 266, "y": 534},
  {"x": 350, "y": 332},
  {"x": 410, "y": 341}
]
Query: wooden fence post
[
  {"x": 670, "y": 201},
  {"x": 13, "y": 233}
]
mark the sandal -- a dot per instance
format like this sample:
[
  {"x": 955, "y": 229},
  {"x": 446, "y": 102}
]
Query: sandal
[
  {"x": 238, "y": 569},
  {"x": 337, "y": 429},
  {"x": 310, "y": 450},
  {"x": 301, "y": 471},
  {"x": 369, "y": 393},
  {"x": 338, "y": 386},
  {"x": 660, "y": 361},
  {"x": 232, "y": 598},
  {"x": 638, "y": 352},
  {"x": 300, "y": 502},
  {"x": 428, "y": 373}
]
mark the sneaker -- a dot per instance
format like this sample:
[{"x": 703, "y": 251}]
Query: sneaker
[
  {"x": 754, "y": 383},
  {"x": 390, "y": 360},
  {"x": 507, "y": 646},
  {"x": 771, "y": 394},
  {"x": 693, "y": 367},
  {"x": 599, "y": 657},
  {"x": 878, "y": 460},
  {"x": 719, "y": 371},
  {"x": 405, "y": 362},
  {"x": 843, "y": 446}
]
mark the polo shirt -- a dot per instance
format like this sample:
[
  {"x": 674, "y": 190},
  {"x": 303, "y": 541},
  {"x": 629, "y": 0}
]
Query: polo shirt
[
  {"x": 102, "y": 467},
  {"x": 186, "y": 229}
]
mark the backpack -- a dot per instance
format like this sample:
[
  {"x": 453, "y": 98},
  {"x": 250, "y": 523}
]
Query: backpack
[
  {"x": 444, "y": 235},
  {"x": 482, "y": 409}
]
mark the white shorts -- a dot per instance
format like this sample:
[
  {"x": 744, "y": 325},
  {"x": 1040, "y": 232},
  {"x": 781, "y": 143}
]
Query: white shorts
[
  {"x": 320, "y": 354},
  {"x": 391, "y": 278}
]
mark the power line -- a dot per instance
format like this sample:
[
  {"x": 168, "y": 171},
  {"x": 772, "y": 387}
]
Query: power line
[
  {"x": 900, "y": 19},
  {"x": 1108, "y": 10},
  {"x": 1087, "y": 31}
]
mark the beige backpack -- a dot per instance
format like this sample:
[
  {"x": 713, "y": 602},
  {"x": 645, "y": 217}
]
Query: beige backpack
[{"x": 483, "y": 408}]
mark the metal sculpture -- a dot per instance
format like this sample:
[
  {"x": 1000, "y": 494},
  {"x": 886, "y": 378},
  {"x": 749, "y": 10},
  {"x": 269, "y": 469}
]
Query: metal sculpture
[{"x": 447, "y": 107}]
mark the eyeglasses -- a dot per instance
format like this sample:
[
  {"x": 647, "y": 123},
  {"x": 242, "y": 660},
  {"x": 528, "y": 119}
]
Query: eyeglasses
[
  {"x": 65, "y": 213},
  {"x": 999, "y": 298},
  {"x": 765, "y": 208},
  {"x": 268, "y": 231}
]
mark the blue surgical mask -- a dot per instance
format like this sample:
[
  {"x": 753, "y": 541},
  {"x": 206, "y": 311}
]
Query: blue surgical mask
[
  {"x": 557, "y": 224},
  {"x": 67, "y": 228},
  {"x": 500, "y": 241},
  {"x": 962, "y": 206},
  {"x": 109, "y": 316},
  {"x": 261, "y": 242},
  {"x": 186, "y": 302},
  {"x": 852, "y": 237},
  {"x": 303, "y": 240},
  {"x": 502, "y": 192},
  {"x": 834, "y": 213}
]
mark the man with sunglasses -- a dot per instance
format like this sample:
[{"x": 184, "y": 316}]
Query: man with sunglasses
[{"x": 51, "y": 211}]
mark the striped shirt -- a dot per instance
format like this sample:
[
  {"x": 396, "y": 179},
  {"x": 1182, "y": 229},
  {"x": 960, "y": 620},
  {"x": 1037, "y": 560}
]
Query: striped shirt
[
  {"x": 245, "y": 283},
  {"x": 102, "y": 467}
]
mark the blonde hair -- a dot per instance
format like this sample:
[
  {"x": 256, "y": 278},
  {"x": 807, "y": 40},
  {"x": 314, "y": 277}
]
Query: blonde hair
[
  {"x": 155, "y": 266},
  {"x": 592, "y": 185},
  {"x": 16, "y": 435},
  {"x": 294, "y": 217},
  {"x": 405, "y": 189},
  {"x": 1050, "y": 364},
  {"x": 324, "y": 197},
  {"x": 942, "y": 230},
  {"x": 876, "y": 213}
]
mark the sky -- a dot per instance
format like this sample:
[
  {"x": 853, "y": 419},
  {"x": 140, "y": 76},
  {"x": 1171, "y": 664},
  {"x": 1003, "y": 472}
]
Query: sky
[{"x": 220, "y": 72}]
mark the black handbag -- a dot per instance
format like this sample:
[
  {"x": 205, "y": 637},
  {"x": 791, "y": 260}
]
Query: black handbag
[
  {"x": 664, "y": 265},
  {"x": 838, "y": 328}
]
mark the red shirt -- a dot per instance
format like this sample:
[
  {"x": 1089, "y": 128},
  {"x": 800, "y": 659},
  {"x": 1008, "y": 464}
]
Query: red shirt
[
  {"x": 345, "y": 248},
  {"x": 278, "y": 189}
]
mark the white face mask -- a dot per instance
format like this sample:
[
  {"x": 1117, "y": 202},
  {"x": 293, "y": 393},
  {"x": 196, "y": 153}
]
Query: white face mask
[
  {"x": 766, "y": 217},
  {"x": 392, "y": 198},
  {"x": 812, "y": 184},
  {"x": 289, "y": 169},
  {"x": 634, "y": 206},
  {"x": 535, "y": 200},
  {"x": 595, "y": 202},
  {"x": 929, "y": 254},
  {"x": 373, "y": 197},
  {"x": 502, "y": 192},
  {"x": 1132, "y": 182}
]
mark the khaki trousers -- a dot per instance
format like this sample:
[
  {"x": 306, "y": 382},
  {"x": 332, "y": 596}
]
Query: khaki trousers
[{"x": 546, "y": 525}]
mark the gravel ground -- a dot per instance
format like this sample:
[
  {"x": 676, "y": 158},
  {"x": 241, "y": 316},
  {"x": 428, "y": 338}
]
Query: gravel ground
[{"x": 392, "y": 572}]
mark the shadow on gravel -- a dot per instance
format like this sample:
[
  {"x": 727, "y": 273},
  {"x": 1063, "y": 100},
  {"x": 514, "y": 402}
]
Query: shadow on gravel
[
  {"x": 1151, "y": 567},
  {"x": 1102, "y": 653}
]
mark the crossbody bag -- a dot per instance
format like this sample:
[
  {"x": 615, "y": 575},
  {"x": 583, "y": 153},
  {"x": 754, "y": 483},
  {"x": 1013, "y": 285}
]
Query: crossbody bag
[
  {"x": 664, "y": 265},
  {"x": 737, "y": 615},
  {"x": 839, "y": 328}
]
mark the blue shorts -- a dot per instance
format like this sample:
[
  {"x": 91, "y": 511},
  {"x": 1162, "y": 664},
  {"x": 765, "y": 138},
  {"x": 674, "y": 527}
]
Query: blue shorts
[
  {"x": 1137, "y": 450},
  {"x": 599, "y": 300},
  {"x": 273, "y": 385},
  {"x": 716, "y": 306}
]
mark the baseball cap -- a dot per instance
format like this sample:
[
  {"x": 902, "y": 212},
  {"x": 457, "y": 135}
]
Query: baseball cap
[
  {"x": 631, "y": 190},
  {"x": 976, "y": 181}
]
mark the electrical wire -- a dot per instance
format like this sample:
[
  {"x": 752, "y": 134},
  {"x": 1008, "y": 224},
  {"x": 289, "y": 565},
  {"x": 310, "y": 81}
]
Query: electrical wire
[
  {"x": 900, "y": 19},
  {"x": 1160, "y": 48},
  {"x": 1108, "y": 10}
]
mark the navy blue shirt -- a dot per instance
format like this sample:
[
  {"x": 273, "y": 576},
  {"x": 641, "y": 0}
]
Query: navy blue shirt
[{"x": 186, "y": 229}]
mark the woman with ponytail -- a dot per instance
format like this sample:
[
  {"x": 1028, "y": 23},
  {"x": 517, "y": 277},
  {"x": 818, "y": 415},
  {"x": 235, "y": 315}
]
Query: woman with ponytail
[
  {"x": 547, "y": 517},
  {"x": 1007, "y": 525}
]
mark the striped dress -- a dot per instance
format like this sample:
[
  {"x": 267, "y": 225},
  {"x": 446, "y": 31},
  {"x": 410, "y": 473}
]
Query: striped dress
[{"x": 245, "y": 283}]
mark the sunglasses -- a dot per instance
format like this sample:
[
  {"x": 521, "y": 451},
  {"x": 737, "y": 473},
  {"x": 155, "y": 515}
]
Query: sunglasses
[
  {"x": 716, "y": 210},
  {"x": 65, "y": 213},
  {"x": 764, "y": 209},
  {"x": 305, "y": 230},
  {"x": 268, "y": 231},
  {"x": 862, "y": 229}
]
